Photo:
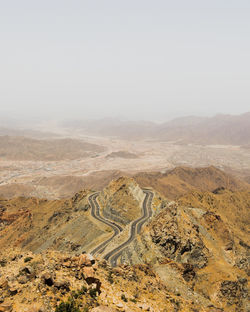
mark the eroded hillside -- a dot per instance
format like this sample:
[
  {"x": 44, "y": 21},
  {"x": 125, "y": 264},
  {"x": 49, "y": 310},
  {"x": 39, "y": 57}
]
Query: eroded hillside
[{"x": 37, "y": 225}]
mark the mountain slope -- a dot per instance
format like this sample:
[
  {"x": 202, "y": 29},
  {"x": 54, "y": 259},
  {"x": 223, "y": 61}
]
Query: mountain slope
[
  {"x": 197, "y": 251},
  {"x": 37, "y": 224},
  {"x": 181, "y": 180},
  {"x": 220, "y": 129},
  {"x": 233, "y": 207},
  {"x": 122, "y": 200}
]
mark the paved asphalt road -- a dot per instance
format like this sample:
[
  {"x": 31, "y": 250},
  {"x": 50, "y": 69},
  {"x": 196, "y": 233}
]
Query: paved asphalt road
[
  {"x": 95, "y": 213},
  {"x": 136, "y": 226}
]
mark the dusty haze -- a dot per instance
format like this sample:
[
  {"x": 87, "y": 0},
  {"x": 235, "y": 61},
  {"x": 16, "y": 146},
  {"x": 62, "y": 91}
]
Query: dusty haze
[{"x": 134, "y": 59}]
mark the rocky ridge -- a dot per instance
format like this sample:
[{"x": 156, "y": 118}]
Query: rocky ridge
[
  {"x": 121, "y": 200},
  {"x": 182, "y": 180}
]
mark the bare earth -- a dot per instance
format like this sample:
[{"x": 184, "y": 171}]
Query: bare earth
[{"x": 61, "y": 178}]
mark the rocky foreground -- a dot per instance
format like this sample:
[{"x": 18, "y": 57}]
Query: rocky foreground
[
  {"x": 191, "y": 255},
  {"x": 53, "y": 281}
]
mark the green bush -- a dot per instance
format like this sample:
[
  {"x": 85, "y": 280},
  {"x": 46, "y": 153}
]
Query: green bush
[
  {"x": 110, "y": 278},
  {"x": 3, "y": 262},
  {"x": 123, "y": 297},
  {"x": 83, "y": 290},
  {"x": 27, "y": 259},
  {"x": 93, "y": 292},
  {"x": 76, "y": 299},
  {"x": 79, "y": 293},
  {"x": 69, "y": 306}
]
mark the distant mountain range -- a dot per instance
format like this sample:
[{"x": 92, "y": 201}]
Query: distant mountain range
[{"x": 220, "y": 129}]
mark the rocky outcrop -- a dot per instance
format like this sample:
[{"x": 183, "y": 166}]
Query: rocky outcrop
[
  {"x": 196, "y": 253},
  {"x": 121, "y": 200},
  {"x": 178, "y": 238}
]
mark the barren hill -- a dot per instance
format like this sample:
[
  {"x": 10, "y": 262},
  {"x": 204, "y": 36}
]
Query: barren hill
[
  {"x": 122, "y": 154},
  {"x": 22, "y": 148},
  {"x": 232, "y": 206},
  {"x": 221, "y": 129},
  {"x": 121, "y": 200},
  {"x": 181, "y": 180}
]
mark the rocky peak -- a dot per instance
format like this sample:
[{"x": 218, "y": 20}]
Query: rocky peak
[{"x": 122, "y": 200}]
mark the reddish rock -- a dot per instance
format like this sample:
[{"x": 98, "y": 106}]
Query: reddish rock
[
  {"x": 67, "y": 264},
  {"x": 88, "y": 272},
  {"x": 84, "y": 260}
]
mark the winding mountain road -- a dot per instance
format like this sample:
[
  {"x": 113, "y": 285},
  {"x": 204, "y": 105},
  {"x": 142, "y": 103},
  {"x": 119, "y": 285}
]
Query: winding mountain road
[
  {"x": 136, "y": 226},
  {"x": 95, "y": 213}
]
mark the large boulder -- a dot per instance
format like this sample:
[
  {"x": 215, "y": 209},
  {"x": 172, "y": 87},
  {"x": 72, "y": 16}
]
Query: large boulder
[
  {"x": 86, "y": 260},
  {"x": 48, "y": 279},
  {"x": 62, "y": 284},
  {"x": 88, "y": 272}
]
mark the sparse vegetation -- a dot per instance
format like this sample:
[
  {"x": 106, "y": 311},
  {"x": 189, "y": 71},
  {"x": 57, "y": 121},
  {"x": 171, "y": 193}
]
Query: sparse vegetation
[
  {"x": 3, "y": 262},
  {"x": 75, "y": 301},
  {"x": 93, "y": 292},
  {"x": 79, "y": 293},
  {"x": 69, "y": 306},
  {"x": 27, "y": 259},
  {"x": 110, "y": 277},
  {"x": 124, "y": 298}
]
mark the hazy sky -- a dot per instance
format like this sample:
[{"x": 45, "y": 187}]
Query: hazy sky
[{"x": 140, "y": 59}]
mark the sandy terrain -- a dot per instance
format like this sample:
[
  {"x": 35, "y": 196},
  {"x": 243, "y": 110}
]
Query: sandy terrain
[{"x": 151, "y": 156}]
